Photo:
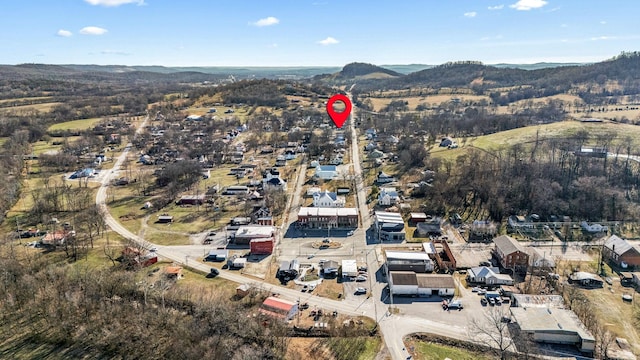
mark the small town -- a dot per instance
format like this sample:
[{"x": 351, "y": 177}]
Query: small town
[{"x": 465, "y": 210}]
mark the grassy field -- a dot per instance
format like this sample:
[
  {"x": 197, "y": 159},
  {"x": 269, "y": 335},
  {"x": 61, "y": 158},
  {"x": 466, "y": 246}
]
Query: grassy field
[
  {"x": 82, "y": 124},
  {"x": 40, "y": 147},
  {"x": 378, "y": 102},
  {"x": 431, "y": 351},
  {"x": 44, "y": 107},
  {"x": 619, "y": 132},
  {"x": 35, "y": 98}
]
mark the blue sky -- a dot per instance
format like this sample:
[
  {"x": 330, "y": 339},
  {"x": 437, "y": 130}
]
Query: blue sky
[{"x": 314, "y": 32}]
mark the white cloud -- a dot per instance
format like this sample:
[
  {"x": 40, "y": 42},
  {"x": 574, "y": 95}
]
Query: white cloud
[
  {"x": 602, "y": 38},
  {"x": 93, "y": 30},
  {"x": 497, "y": 7},
  {"x": 328, "y": 41},
  {"x": 64, "y": 33},
  {"x": 268, "y": 21},
  {"x": 603, "y": 22},
  {"x": 528, "y": 4},
  {"x": 113, "y": 3},
  {"x": 470, "y": 14},
  {"x": 114, "y": 52},
  {"x": 564, "y": 25}
]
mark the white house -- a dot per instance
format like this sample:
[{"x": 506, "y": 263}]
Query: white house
[
  {"x": 272, "y": 179},
  {"x": 488, "y": 276},
  {"x": 383, "y": 178},
  {"x": 388, "y": 196},
  {"x": 349, "y": 268},
  {"x": 328, "y": 199},
  {"x": 326, "y": 172}
]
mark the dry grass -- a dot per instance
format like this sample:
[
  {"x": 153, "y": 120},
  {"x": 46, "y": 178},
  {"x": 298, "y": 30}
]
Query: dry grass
[
  {"x": 82, "y": 124},
  {"x": 43, "y": 107},
  {"x": 379, "y": 103},
  {"x": 618, "y": 316}
]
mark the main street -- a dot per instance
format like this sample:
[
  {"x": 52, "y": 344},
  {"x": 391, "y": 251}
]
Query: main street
[{"x": 393, "y": 326}]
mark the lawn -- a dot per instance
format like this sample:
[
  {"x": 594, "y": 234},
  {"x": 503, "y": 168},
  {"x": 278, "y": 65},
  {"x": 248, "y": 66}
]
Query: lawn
[
  {"x": 82, "y": 124},
  {"x": 423, "y": 350},
  {"x": 43, "y": 107}
]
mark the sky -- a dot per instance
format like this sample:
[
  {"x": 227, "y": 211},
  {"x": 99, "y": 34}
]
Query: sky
[{"x": 314, "y": 32}]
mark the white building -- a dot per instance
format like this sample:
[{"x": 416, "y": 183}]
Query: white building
[
  {"x": 349, "y": 268},
  {"x": 488, "y": 276},
  {"x": 408, "y": 283},
  {"x": 390, "y": 226},
  {"x": 326, "y": 172},
  {"x": 555, "y": 326},
  {"x": 418, "y": 262},
  {"x": 328, "y": 199},
  {"x": 246, "y": 233},
  {"x": 388, "y": 196}
]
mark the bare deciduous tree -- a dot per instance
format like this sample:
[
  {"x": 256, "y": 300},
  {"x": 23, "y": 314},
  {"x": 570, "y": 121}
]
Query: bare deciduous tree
[{"x": 491, "y": 327}]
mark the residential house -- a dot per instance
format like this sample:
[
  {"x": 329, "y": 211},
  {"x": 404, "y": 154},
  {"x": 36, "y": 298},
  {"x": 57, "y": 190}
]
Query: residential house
[
  {"x": 621, "y": 253},
  {"x": 383, "y": 178},
  {"x": 375, "y": 154},
  {"x": 586, "y": 279},
  {"x": 328, "y": 199},
  {"x": 445, "y": 142},
  {"x": 191, "y": 200},
  {"x": 482, "y": 231},
  {"x": 593, "y": 228},
  {"x": 388, "y": 196},
  {"x": 540, "y": 260},
  {"x": 326, "y": 172},
  {"x": 55, "y": 238},
  {"x": 510, "y": 253},
  {"x": 236, "y": 190},
  {"x": 488, "y": 276},
  {"x": 432, "y": 225}
]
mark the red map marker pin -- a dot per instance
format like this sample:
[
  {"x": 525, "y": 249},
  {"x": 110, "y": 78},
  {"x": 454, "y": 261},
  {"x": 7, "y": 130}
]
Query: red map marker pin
[{"x": 339, "y": 117}]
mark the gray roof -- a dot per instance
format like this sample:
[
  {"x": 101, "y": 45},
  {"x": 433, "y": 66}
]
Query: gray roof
[
  {"x": 483, "y": 271},
  {"x": 403, "y": 278},
  {"x": 618, "y": 245},
  {"x": 431, "y": 281},
  {"x": 550, "y": 320},
  {"x": 508, "y": 245}
]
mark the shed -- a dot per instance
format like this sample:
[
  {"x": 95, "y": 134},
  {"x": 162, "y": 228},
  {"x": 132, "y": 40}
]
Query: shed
[
  {"x": 217, "y": 255},
  {"x": 435, "y": 284},
  {"x": 403, "y": 283},
  {"x": 164, "y": 219},
  {"x": 243, "y": 290}
]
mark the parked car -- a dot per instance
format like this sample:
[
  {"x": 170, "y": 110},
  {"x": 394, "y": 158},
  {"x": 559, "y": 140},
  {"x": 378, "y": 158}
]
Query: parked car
[
  {"x": 304, "y": 306},
  {"x": 213, "y": 272},
  {"x": 350, "y": 233},
  {"x": 312, "y": 287},
  {"x": 484, "y": 302},
  {"x": 305, "y": 288},
  {"x": 456, "y": 304},
  {"x": 361, "y": 278},
  {"x": 360, "y": 291},
  {"x": 311, "y": 256}
]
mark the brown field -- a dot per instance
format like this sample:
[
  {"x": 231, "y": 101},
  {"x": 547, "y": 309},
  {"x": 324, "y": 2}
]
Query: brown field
[
  {"x": 44, "y": 107},
  {"x": 35, "y": 98},
  {"x": 379, "y": 103}
]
